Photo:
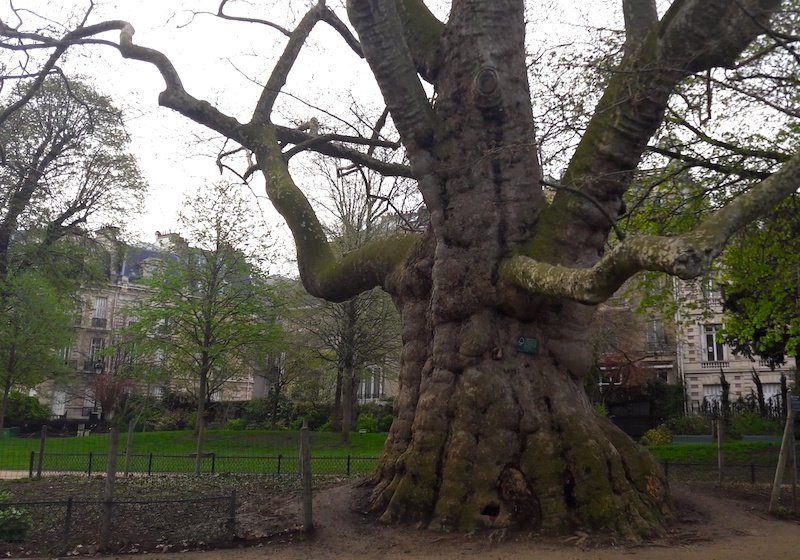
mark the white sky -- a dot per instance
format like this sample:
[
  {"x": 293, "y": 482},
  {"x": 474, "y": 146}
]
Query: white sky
[{"x": 215, "y": 58}]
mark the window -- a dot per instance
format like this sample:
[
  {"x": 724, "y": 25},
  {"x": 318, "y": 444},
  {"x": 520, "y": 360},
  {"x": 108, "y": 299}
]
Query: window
[
  {"x": 714, "y": 348},
  {"x": 100, "y": 310},
  {"x": 58, "y": 405},
  {"x": 96, "y": 354},
  {"x": 371, "y": 386},
  {"x": 65, "y": 354},
  {"x": 711, "y": 290},
  {"x": 712, "y": 393},
  {"x": 656, "y": 341}
]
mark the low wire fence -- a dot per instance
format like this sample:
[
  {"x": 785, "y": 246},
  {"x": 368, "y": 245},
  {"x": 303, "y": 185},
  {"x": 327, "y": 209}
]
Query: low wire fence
[
  {"x": 72, "y": 526},
  {"x": 753, "y": 473},
  {"x": 211, "y": 463}
]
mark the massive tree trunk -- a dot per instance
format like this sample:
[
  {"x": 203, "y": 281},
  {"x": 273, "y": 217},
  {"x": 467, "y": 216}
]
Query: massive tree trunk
[{"x": 486, "y": 433}]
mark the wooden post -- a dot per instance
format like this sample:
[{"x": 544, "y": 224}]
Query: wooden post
[
  {"x": 42, "y": 442},
  {"x": 783, "y": 456},
  {"x": 108, "y": 490},
  {"x": 305, "y": 477},
  {"x": 129, "y": 447},
  {"x": 198, "y": 460}
]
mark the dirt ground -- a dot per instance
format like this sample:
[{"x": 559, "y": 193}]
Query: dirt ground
[{"x": 712, "y": 525}]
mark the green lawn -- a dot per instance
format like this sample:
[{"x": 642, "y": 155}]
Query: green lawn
[{"x": 15, "y": 452}]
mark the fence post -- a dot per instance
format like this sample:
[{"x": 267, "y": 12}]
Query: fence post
[
  {"x": 213, "y": 462},
  {"x": 666, "y": 468},
  {"x": 305, "y": 475},
  {"x": 68, "y": 519},
  {"x": 89, "y": 469},
  {"x": 30, "y": 465},
  {"x": 108, "y": 490},
  {"x": 752, "y": 473},
  {"x": 150, "y": 464},
  {"x": 198, "y": 460},
  {"x": 232, "y": 512},
  {"x": 348, "y": 465},
  {"x": 720, "y": 458},
  {"x": 42, "y": 441},
  {"x": 280, "y": 457},
  {"x": 129, "y": 447},
  {"x": 783, "y": 456}
]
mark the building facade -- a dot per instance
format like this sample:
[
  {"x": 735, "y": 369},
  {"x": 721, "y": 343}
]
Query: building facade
[{"x": 702, "y": 359}]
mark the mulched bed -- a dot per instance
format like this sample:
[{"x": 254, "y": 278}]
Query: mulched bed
[{"x": 266, "y": 507}]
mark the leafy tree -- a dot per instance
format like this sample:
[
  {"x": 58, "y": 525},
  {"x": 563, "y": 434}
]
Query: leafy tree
[
  {"x": 761, "y": 279},
  {"x": 22, "y": 409},
  {"x": 210, "y": 305},
  {"x": 64, "y": 165},
  {"x": 365, "y": 329},
  {"x": 35, "y": 323},
  {"x": 487, "y": 431}
]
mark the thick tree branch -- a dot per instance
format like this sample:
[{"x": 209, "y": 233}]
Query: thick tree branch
[
  {"x": 694, "y": 35},
  {"x": 686, "y": 256},
  {"x": 378, "y": 25},
  {"x": 175, "y": 96},
  {"x": 640, "y": 18},
  {"x": 423, "y": 34},
  {"x": 322, "y": 273}
]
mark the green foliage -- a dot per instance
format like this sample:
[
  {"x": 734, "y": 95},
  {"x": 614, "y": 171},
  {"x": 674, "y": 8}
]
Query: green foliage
[
  {"x": 753, "y": 424},
  {"x": 601, "y": 410},
  {"x": 210, "y": 308},
  {"x": 689, "y": 425},
  {"x": 366, "y": 423},
  {"x": 23, "y": 409},
  {"x": 660, "y": 435},
  {"x": 235, "y": 424},
  {"x": 315, "y": 414},
  {"x": 761, "y": 272},
  {"x": 15, "y": 522},
  {"x": 34, "y": 325},
  {"x": 385, "y": 423}
]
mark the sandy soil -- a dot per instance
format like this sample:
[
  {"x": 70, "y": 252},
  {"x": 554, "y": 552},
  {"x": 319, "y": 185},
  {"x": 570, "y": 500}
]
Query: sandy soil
[{"x": 711, "y": 527}]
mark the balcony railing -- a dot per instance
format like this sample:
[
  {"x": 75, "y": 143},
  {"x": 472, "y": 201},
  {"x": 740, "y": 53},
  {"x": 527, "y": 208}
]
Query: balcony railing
[
  {"x": 99, "y": 322},
  {"x": 714, "y": 365}
]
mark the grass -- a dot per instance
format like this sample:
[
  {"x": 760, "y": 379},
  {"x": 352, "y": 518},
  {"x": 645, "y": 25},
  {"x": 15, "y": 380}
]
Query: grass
[{"x": 15, "y": 452}]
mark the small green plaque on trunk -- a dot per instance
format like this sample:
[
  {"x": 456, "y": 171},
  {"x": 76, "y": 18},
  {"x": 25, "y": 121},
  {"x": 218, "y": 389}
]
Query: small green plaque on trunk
[{"x": 528, "y": 345}]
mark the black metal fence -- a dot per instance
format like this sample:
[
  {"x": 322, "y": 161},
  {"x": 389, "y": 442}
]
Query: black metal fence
[
  {"x": 72, "y": 526},
  {"x": 151, "y": 464}
]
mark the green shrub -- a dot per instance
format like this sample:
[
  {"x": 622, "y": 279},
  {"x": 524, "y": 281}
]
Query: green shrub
[
  {"x": 235, "y": 424},
  {"x": 385, "y": 423},
  {"x": 753, "y": 424},
  {"x": 601, "y": 410},
  {"x": 23, "y": 410},
  {"x": 15, "y": 522},
  {"x": 657, "y": 436},
  {"x": 689, "y": 425},
  {"x": 367, "y": 423}
]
